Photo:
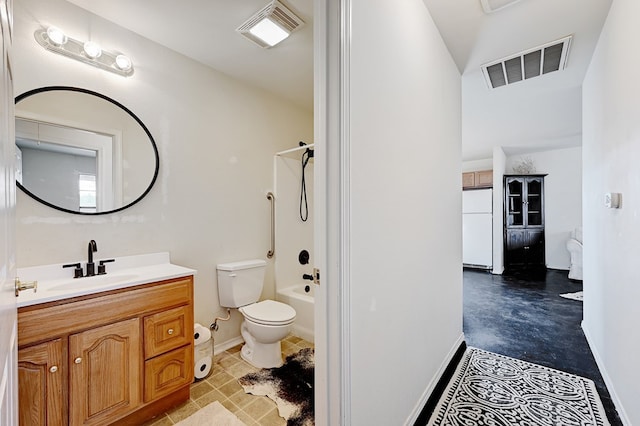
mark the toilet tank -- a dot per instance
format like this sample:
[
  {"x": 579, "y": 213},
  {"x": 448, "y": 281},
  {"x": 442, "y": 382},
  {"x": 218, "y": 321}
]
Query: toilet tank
[{"x": 240, "y": 283}]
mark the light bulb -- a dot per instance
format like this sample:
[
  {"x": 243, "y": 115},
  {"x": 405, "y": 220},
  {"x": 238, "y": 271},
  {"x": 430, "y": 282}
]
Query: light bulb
[
  {"x": 123, "y": 62},
  {"x": 92, "y": 49},
  {"x": 56, "y": 36}
]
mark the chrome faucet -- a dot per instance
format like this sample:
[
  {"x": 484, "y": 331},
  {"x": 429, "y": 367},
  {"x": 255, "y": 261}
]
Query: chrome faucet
[{"x": 91, "y": 267}]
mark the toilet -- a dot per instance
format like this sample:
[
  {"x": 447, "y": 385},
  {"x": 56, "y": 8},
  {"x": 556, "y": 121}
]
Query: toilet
[{"x": 265, "y": 323}]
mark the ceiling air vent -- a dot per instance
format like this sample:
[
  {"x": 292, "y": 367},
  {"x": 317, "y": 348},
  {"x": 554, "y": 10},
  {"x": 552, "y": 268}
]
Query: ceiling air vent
[
  {"x": 528, "y": 64},
  {"x": 490, "y": 6},
  {"x": 275, "y": 12}
]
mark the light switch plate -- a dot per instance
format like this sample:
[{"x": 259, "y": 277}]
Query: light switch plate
[{"x": 612, "y": 200}]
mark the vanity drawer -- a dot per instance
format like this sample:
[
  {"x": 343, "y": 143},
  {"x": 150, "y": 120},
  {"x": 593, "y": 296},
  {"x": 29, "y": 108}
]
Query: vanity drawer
[
  {"x": 167, "y": 373},
  {"x": 167, "y": 330}
]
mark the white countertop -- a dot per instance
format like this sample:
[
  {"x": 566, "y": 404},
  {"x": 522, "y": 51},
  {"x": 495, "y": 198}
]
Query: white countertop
[{"x": 57, "y": 283}]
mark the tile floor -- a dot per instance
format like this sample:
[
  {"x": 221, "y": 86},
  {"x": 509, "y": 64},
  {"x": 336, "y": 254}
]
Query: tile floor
[{"x": 222, "y": 385}]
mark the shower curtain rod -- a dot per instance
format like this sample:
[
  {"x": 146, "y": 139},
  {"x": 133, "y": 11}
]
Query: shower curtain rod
[{"x": 298, "y": 148}]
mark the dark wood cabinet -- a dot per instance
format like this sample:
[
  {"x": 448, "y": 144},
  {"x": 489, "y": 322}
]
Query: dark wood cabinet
[{"x": 524, "y": 222}]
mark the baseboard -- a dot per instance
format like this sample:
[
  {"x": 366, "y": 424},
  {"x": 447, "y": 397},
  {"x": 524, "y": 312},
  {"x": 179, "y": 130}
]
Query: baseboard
[
  {"x": 430, "y": 397},
  {"x": 605, "y": 376},
  {"x": 227, "y": 345}
]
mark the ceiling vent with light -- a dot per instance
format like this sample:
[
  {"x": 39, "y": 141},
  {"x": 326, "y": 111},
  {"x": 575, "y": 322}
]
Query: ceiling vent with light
[
  {"x": 531, "y": 63},
  {"x": 270, "y": 25},
  {"x": 490, "y": 6}
]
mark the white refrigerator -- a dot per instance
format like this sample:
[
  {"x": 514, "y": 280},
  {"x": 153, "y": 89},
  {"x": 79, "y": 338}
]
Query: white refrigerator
[{"x": 477, "y": 228}]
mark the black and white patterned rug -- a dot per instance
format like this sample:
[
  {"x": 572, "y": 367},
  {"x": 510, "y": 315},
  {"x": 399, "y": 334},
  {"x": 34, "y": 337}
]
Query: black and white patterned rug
[
  {"x": 290, "y": 386},
  {"x": 492, "y": 389}
]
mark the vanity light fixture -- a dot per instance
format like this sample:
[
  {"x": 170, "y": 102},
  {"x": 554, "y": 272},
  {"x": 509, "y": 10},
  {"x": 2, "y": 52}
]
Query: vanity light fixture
[
  {"x": 55, "y": 40},
  {"x": 270, "y": 25}
]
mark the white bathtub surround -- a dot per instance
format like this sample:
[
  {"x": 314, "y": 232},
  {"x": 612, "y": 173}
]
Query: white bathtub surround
[
  {"x": 294, "y": 235},
  {"x": 303, "y": 302},
  {"x": 56, "y": 282}
]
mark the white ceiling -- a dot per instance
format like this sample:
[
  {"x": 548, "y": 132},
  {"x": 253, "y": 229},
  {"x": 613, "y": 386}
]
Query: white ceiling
[
  {"x": 205, "y": 30},
  {"x": 532, "y": 115}
]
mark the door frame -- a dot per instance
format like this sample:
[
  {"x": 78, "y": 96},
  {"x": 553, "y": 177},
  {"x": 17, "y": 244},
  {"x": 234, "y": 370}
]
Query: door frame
[
  {"x": 332, "y": 26},
  {"x": 8, "y": 310}
]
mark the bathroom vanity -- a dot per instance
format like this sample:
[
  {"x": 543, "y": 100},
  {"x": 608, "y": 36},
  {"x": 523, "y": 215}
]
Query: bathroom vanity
[{"x": 120, "y": 352}]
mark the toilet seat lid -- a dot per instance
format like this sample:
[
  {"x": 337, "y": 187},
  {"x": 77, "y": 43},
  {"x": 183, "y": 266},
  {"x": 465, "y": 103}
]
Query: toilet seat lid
[{"x": 269, "y": 312}]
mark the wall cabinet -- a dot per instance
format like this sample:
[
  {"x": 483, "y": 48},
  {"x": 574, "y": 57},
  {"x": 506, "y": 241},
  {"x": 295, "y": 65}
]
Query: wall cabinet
[
  {"x": 524, "y": 222},
  {"x": 479, "y": 179},
  {"x": 115, "y": 357}
]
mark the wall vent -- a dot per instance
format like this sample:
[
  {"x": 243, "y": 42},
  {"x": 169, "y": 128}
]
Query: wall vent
[
  {"x": 490, "y": 6},
  {"x": 531, "y": 63}
]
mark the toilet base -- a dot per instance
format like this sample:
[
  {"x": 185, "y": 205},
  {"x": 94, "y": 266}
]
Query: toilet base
[{"x": 262, "y": 355}]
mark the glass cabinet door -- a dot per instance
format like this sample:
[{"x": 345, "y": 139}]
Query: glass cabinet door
[
  {"x": 534, "y": 202},
  {"x": 515, "y": 202}
]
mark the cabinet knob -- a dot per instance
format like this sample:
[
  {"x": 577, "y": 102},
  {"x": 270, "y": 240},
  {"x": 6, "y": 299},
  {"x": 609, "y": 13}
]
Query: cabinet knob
[
  {"x": 53, "y": 368},
  {"x": 77, "y": 360},
  {"x": 170, "y": 331}
]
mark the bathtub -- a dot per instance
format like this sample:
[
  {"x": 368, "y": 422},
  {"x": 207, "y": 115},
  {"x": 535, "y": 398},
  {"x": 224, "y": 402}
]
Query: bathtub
[{"x": 296, "y": 297}]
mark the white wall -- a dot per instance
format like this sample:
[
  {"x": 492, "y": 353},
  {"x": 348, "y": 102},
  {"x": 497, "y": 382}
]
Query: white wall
[
  {"x": 499, "y": 170},
  {"x": 562, "y": 199},
  {"x": 611, "y": 148},
  {"x": 477, "y": 165},
  {"x": 405, "y": 203},
  {"x": 216, "y": 138}
]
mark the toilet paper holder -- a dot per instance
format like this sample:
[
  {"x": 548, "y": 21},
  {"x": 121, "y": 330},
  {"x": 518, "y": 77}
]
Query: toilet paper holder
[{"x": 203, "y": 351}]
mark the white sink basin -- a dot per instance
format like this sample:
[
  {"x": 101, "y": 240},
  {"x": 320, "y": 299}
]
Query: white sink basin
[
  {"x": 92, "y": 282},
  {"x": 54, "y": 282}
]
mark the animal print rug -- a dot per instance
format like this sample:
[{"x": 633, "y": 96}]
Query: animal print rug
[{"x": 290, "y": 386}]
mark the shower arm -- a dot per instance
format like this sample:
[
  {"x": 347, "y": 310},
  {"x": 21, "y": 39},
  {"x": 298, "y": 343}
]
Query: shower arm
[{"x": 272, "y": 199}]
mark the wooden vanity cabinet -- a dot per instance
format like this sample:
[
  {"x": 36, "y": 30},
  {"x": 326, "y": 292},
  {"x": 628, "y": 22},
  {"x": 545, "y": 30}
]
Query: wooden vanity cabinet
[
  {"x": 121, "y": 356},
  {"x": 41, "y": 377},
  {"x": 105, "y": 372}
]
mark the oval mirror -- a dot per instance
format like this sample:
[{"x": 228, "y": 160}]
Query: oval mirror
[{"x": 82, "y": 152}]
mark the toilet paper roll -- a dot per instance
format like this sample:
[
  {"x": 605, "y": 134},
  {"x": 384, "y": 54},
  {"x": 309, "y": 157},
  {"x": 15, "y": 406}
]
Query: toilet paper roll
[
  {"x": 202, "y": 368},
  {"x": 200, "y": 334}
]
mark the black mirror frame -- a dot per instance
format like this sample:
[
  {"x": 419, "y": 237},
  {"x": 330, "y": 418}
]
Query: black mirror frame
[{"x": 116, "y": 103}]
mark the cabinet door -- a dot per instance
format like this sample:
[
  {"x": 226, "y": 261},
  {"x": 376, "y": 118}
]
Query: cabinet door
[
  {"x": 515, "y": 253},
  {"x": 167, "y": 373},
  {"x": 535, "y": 247},
  {"x": 105, "y": 373},
  {"x": 468, "y": 180},
  {"x": 41, "y": 376},
  {"x": 534, "y": 202},
  {"x": 514, "y": 199},
  {"x": 484, "y": 178}
]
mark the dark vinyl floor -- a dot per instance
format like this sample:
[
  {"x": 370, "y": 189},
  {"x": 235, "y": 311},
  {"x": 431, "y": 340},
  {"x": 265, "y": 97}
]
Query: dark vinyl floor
[{"x": 523, "y": 316}]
